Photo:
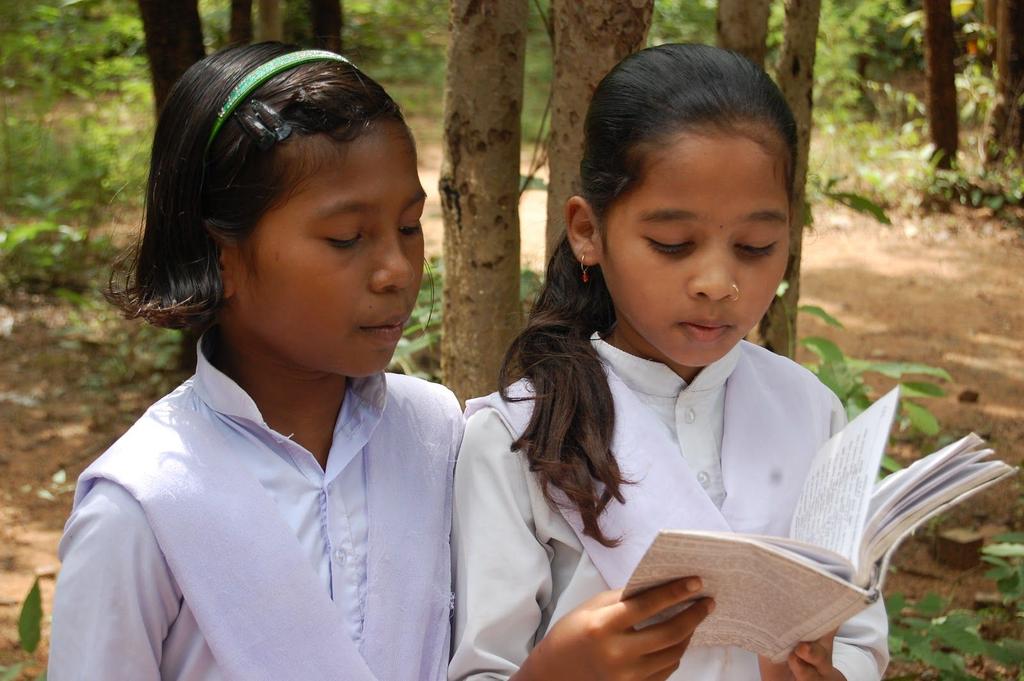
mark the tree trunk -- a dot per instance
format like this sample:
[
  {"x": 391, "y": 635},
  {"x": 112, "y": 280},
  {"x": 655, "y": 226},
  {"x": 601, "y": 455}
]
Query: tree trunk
[
  {"x": 795, "y": 74},
  {"x": 174, "y": 41},
  {"x": 1006, "y": 126},
  {"x": 271, "y": 20},
  {"x": 743, "y": 27},
  {"x": 479, "y": 189},
  {"x": 939, "y": 50},
  {"x": 590, "y": 37},
  {"x": 240, "y": 32},
  {"x": 991, "y": 13},
  {"x": 327, "y": 23}
]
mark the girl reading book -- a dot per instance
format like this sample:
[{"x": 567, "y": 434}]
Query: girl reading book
[{"x": 631, "y": 401}]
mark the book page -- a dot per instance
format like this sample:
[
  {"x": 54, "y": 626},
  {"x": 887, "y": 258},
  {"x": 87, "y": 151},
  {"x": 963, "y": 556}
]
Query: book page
[
  {"x": 922, "y": 475},
  {"x": 832, "y": 509},
  {"x": 974, "y": 478},
  {"x": 765, "y": 600}
]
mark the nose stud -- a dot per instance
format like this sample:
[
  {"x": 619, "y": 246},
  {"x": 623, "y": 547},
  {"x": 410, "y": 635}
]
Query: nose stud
[{"x": 736, "y": 292}]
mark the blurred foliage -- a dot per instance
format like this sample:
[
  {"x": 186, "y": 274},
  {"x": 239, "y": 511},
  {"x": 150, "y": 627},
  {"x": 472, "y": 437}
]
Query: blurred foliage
[
  {"x": 74, "y": 97},
  {"x": 683, "y": 22},
  {"x": 956, "y": 643}
]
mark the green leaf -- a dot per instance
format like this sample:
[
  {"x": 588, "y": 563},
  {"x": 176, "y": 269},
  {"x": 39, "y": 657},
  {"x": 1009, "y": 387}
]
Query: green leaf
[
  {"x": 818, "y": 312},
  {"x": 894, "y": 603},
  {"x": 11, "y": 673},
  {"x": 920, "y": 389},
  {"x": 921, "y": 418},
  {"x": 1012, "y": 537},
  {"x": 1012, "y": 651},
  {"x": 823, "y": 348},
  {"x": 861, "y": 204},
  {"x": 898, "y": 369},
  {"x": 998, "y": 572},
  {"x": 1004, "y": 550},
  {"x": 931, "y": 605},
  {"x": 31, "y": 619},
  {"x": 960, "y": 632},
  {"x": 890, "y": 465}
]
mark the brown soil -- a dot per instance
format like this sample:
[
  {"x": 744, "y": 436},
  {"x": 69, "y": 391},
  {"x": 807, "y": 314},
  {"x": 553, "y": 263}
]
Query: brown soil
[{"x": 945, "y": 290}]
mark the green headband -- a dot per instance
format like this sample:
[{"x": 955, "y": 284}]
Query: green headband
[{"x": 261, "y": 75}]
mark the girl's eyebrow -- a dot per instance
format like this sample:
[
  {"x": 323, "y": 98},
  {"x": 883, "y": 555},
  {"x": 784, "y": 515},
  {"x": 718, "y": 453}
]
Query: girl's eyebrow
[
  {"x": 679, "y": 215},
  {"x": 667, "y": 215},
  {"x": 350, "y": 205},
  {"x": 768, "y": 216}
]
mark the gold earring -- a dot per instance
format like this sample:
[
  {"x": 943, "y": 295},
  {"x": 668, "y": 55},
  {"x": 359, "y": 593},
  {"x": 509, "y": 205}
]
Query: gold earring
[{"x": 584, "y": 276}]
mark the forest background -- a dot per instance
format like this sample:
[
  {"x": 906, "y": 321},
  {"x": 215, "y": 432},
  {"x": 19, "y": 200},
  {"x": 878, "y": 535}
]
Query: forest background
[{"x": 910, "y": 267}]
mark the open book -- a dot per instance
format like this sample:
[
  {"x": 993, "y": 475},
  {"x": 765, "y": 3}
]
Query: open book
[{"x": 774, "y": 592}]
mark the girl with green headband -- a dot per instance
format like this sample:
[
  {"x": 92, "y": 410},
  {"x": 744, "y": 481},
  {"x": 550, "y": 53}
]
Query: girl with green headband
[{"x": 285, "y": 512}]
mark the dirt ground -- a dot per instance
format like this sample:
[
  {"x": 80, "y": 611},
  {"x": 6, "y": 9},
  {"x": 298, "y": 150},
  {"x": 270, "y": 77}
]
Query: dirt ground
[{"x": 946, "y": 290}]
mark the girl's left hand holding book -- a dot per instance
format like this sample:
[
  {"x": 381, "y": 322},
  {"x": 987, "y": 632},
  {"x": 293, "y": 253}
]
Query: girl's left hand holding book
[{"x": 809, "y": 661}]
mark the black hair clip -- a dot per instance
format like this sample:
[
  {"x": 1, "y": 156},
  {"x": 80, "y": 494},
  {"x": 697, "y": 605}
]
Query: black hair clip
[{"x": 263, "y": 124}]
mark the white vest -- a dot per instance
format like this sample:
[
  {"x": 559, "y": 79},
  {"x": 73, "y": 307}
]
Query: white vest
[
  {"x": 777, "y": 414},
  {"x": 254, "y": 595}
]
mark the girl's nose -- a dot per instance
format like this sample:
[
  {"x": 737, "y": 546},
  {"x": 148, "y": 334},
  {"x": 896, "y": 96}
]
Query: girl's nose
[
  {"x": 393, "y": 271},
  {"x": 713, "y": 281}
]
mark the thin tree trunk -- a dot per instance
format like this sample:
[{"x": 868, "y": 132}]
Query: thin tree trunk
[
  {"x": 174, "y": 41},
  {"x": 479, "y": 189},
  {"x": 743, "y": 27},
  {"x": 991, "y": 13},
  {"x": 271, "y": 20},
  {"x": 240, "y": 32},
  {"x": 941, "y": 100},
  {"x": 1006, "y": 125},
  {"x": 796, "y": 80},
  {"x": 327, "y": 22},
  {"x": 590, "y": 37}
]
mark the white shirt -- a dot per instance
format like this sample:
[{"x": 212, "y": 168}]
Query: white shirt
[
  {"x": 519, "y": 566},
  {"x": 117, "y": 606},
  {"x": 693, "y": 413}
]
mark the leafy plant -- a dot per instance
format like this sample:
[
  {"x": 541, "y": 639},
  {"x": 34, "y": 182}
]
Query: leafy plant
[
  {"x": 44, "y": 255},
  {"x": 857, "y": 202},
  {"x": 416, "y": 354},
  {"x": 30, "y": 624},
  {"x": 1007, "y": 569},
  {"x": 996, "y": 187},
  {"x": 845, "y": 377},
  {"x": 929, "y": 632}
]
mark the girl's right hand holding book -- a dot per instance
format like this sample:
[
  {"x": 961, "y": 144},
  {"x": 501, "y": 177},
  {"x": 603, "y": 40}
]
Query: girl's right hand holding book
[{"x": 598, "y": 640}]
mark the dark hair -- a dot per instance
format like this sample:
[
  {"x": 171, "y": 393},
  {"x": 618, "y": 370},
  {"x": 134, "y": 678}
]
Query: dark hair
[
  {"x": 647, "y": 99},
  {"x": 196, "y": 196}
]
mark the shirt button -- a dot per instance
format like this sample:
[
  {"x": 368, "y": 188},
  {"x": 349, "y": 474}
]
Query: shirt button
[
  {"x": 690, "y": 416},
  {"x": 704, "y": 479},
  {"x": 339, "y": 556}
]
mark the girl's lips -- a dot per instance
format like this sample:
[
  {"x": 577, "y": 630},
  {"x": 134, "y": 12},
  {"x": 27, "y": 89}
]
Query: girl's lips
[
  {"x": 704, "y": 333},
  {"x": 385, "y": 333}
]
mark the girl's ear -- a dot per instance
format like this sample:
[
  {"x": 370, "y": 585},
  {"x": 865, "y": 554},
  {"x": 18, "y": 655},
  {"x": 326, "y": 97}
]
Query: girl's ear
[
  {"x": 581, "y": 228},
  {"x": 229, "y": 261}
]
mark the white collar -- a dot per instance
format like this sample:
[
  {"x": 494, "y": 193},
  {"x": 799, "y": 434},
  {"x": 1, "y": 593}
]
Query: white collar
[
  {"x": 364, "y": 402},
  {"x": 656, "y": 379}
]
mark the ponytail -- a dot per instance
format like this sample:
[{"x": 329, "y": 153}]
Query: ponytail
[{"x": 568, "y": 440}]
